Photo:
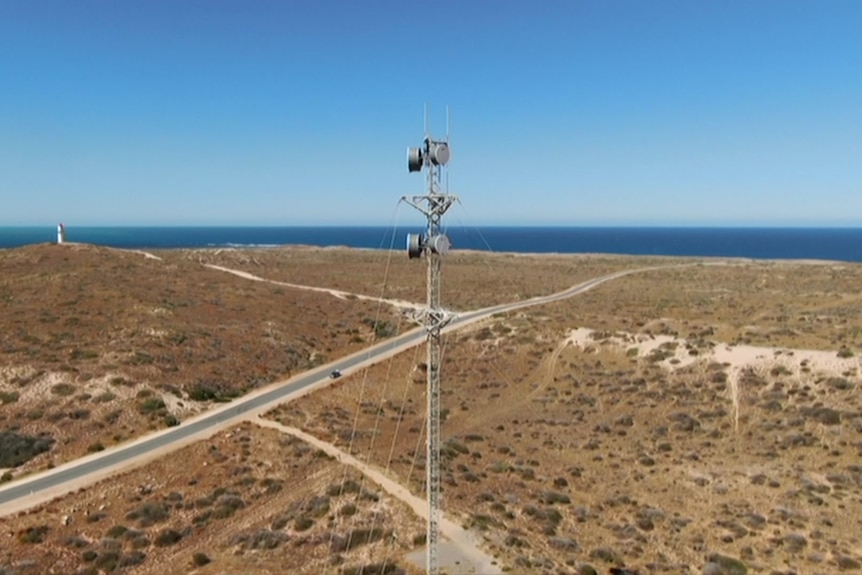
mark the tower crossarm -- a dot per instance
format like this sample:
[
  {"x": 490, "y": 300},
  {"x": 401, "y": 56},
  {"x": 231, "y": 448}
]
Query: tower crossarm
[
  {"x": 431, "y": 319},
  {"x": 432, "y": 205}
]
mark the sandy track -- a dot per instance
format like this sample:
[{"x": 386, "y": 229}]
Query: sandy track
[
  {"x": 333, "y": 292},
  {"x": 467, "y": 554}
]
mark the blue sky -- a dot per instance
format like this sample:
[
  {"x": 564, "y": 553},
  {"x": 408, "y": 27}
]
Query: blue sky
[{"x": 299, "y": 112}]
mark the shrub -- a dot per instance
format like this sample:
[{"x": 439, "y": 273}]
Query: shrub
[
  {"x": 76, "y": 541},
  {"x": 303, "y": 523},
  {"x": 262, "y": 539},
  {"x": 202, "y": 517},
  {"x": 227, "y": 505},
  {"x": 116, "y": 531},
  {"x": 8, "y": 397},
  {"x": 384, "y": 568},
  {"x": 839, "y": 383},
  {"x": 140, "y": 358},
  {"x": 63, "y": 389},
  {"x": 151, "y": 405},
  {"x": 96, "y": 447},
  {"x": 200, "y": 559},
  {"x": 34, "y": 534},
  {"x": 728, "y": 565},
  {"x": 348, "y": 486},
  {"x": 107, "y": 561},
  {"x": 140, "y": 541},
  {"x": 105, "y": 397},
  {"x": 36, "y": 414},
  {"x": 131, "y": 559},
  {"x": 551, "y": 497},
  {"x": 167, "y": 537},
  {"x": 149, "y": 513},
  {"x": 211, "y": 391},
  {"x": 79, "y": 414},
  {"x": 17, "y": 449},
  {"x": 359, "y": 537},
  {"x": 89, "y": 555}
]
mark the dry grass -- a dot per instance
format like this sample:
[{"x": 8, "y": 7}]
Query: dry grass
[
  {"x": 101, "y": 345},
  {"x": 559, "y": 456},
  {"x": 564, "y": 456},
  {"x": 801, "y": 305},
  {"x": 247, "y": 501},
  {"x": 471, "y": 279}
]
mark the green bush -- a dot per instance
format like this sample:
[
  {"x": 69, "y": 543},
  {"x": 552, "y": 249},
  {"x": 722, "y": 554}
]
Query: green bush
[
  {"x": 116, "y": 531},
  {"x": 359, "y": 537},
  {"x": 32, "y": 535},
  {"x": 18, "y": 449},
  {"x": 151, "y": 405},
  {"x": 167, "y": 537},
  {"x": 149, "y": 513},
  {"x": 89, "y": 555},
  {"x": 303, "y": 523},
  {"x": 211, "y": 391},
  {"x": 63, "y": 389},
  {"x": 200, "y": 559},
  {"x": 107, "y": 561},
  {"x": 131, "y": 559},
  {"x": 105, "y": 397}
]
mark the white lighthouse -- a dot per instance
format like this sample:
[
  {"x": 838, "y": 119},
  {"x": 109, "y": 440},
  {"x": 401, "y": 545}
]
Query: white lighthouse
[{"x": 61, "y": 233}]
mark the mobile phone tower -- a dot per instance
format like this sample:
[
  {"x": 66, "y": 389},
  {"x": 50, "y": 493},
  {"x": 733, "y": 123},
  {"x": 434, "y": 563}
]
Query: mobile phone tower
[{"x": 432, "y": 156}]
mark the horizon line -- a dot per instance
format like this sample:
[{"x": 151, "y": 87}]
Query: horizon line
[{"x": 728, "y": 225}]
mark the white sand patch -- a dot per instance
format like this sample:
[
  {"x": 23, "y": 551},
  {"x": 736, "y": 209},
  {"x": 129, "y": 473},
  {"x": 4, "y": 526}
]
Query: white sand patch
[
  {"x": 645, "y": 345},
  {"x": 579, "y": 336},
  {"x": 12, "y": 373},
  {"x": 181, "y": 407},
  {"x": 734, "y": 356},
  {"x": 797, "y": 363},
  {"x": 41, "y": 388},
  {"x": 147, "y": 255}
]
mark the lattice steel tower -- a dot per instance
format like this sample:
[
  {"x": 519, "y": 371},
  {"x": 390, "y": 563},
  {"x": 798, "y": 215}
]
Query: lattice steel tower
[{"x": 432, "y": 155}]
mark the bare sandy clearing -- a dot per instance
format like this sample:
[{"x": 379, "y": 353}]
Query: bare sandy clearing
[
  {"x": 736, "y": 357},
  {"x": 675, "y": 353}
]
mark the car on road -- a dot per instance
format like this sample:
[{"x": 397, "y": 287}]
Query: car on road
[{"x": 336, "y": 373}]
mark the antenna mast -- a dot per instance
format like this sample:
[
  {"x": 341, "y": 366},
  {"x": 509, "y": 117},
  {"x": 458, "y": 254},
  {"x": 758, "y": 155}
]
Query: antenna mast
[{"x": 433, "y": 155}]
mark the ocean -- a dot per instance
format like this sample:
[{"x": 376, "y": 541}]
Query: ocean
[{"x": 843, "y": 244}]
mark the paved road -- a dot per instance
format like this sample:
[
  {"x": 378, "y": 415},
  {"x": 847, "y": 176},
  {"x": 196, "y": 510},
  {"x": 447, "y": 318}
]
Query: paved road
[{"x": 38, "y": 488}]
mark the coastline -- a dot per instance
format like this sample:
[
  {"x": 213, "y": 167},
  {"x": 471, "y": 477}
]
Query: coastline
[{"x": 788, "y": 244}]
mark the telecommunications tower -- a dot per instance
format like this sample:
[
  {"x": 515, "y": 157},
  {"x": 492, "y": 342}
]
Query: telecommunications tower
[{"x": 433, "y": 244}]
